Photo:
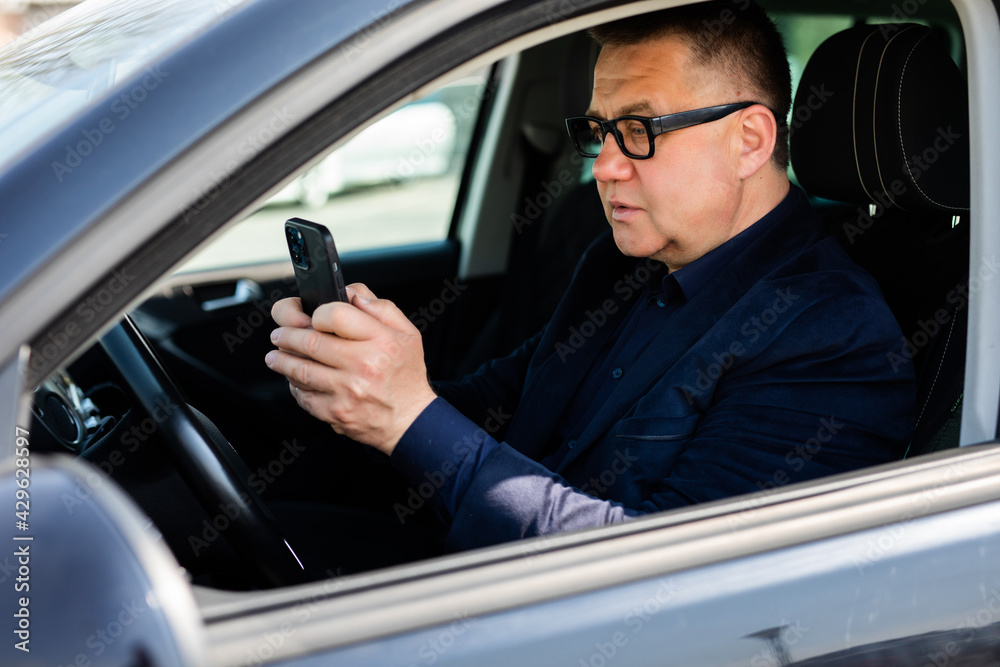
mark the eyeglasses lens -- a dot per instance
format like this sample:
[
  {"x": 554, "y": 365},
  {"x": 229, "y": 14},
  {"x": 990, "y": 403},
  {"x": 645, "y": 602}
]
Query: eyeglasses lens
[{"x": 587, "y": 135}]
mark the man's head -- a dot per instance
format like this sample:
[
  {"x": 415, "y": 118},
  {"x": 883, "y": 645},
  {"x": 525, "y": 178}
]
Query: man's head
[{"x": 705, "y": 183}]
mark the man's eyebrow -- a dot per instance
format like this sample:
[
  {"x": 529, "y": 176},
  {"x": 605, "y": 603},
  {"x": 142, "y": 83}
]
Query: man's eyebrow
[
  {"x": 629, "y": 110},
  {"x": 638, "y": 107}
]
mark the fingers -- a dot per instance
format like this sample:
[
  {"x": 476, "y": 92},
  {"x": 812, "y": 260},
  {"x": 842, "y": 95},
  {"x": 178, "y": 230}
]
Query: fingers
[
  {"x": 310, "y": 343},
  {"x": 388, "y": 314},
  {"x": 305, "y": 375},
  {"x": 355, "y": 343},
  {"x": 361, "y": 290},
  {"x": 358, "y": 366},
  {"x": 310, "y": 337},
  {"x": 363, "y": 321},
  {"x": 288, "y": 313},
  {"x": 315, "y": 403},
  {"x": 347, "y": 321}
]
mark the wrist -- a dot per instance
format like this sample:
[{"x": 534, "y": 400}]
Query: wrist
[{"x": 405, "y": 418}]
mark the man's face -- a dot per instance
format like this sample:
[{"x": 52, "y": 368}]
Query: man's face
[{"x": 685, "y": 200}]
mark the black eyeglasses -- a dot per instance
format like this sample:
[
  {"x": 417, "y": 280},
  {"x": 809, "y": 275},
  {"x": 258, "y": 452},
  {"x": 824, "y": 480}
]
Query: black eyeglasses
[{"x": 635, "y": 134}]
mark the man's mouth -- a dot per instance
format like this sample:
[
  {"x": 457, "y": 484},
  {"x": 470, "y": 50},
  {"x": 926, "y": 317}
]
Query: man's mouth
[{"x": 621, "y": 211}]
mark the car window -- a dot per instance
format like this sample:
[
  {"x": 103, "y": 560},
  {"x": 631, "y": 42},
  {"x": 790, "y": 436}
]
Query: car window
[
  {"x": 803, "y": 33},
  {"x": 394, "y": 183},
  {"x": 68, "y": 62}
]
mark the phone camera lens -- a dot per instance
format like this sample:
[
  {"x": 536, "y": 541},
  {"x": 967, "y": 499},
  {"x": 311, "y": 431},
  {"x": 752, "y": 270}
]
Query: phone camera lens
[{"x": 296, "y": 247}]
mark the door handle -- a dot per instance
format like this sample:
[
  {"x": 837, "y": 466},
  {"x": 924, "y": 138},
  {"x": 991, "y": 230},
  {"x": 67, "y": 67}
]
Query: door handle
[{"x": 245, "y": 291}]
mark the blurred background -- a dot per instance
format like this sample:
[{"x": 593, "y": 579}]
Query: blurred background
[{"x": 19, "y": 16}]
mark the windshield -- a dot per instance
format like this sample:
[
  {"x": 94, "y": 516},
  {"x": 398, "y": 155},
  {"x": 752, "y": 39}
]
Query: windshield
[{"x": 51, "y": 73}]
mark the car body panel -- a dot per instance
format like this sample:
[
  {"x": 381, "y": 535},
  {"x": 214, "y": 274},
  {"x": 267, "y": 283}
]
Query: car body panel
[
  {"x": 756, "y": 538},
  {"x": 722, "y": 615},
  {"x": 130, "y": 603}
]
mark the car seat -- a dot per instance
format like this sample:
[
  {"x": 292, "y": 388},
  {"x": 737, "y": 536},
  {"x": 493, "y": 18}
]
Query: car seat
[{"x": 879, "y": 139}]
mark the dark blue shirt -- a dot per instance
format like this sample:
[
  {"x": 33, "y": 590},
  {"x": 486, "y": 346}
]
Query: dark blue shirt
[{"x": 443, "y": 450}]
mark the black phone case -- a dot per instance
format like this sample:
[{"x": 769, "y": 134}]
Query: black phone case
[{"x": 317, "y": 265}]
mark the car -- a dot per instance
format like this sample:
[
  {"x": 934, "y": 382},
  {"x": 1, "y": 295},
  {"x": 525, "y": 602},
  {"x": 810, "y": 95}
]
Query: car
[{"x": 163, "y": 487}]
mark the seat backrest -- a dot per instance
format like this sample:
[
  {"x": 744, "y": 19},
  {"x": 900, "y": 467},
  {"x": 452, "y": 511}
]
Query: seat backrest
[{"x": 880, "y": 124}]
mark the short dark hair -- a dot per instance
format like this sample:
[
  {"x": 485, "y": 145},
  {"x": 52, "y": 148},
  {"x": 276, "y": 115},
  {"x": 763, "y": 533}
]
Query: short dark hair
[{"x": 728, "y": 36}]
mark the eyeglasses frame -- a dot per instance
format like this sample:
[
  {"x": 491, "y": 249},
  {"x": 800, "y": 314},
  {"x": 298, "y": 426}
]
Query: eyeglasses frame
[{"x": 655, "y": 126}]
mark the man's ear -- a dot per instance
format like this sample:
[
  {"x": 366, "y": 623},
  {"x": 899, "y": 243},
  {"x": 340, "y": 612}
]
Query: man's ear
[{"x": 758, "y": 134}]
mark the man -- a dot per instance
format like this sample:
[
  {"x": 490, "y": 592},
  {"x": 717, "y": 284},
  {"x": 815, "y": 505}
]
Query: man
[{"x": 715, "y": 343}]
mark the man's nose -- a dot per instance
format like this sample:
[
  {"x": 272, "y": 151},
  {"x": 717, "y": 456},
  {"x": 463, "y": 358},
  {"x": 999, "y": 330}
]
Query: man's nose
[{"x": 611, "y": 164}]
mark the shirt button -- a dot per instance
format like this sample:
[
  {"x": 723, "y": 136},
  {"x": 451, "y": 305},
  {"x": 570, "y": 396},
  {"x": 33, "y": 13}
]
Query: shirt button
[
  {"x": 661, "y": 303},
  {"x": 617, "y": 373}
]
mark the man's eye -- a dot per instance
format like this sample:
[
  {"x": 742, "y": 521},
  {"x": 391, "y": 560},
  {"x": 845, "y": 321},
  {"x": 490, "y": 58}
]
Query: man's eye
[{"x": 632, "y": 129}]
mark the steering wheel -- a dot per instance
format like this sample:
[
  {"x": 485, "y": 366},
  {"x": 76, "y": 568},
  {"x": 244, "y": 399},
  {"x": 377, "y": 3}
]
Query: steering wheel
[{"x": 205, "y": 460}]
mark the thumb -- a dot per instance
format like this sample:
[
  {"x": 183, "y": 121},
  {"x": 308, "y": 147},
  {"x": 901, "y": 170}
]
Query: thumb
[
  {"x": 359, "y": 289},
  {"x": 386, "y": 312}
]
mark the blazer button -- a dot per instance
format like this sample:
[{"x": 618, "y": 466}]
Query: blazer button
[
  {"x": 661, "y": 303},
  {"x": 571, "y": 444},
  {"x": 617, "y": 373}
]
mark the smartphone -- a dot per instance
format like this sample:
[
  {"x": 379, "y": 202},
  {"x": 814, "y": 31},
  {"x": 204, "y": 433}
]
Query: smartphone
[{"x": 317, "y": 265}]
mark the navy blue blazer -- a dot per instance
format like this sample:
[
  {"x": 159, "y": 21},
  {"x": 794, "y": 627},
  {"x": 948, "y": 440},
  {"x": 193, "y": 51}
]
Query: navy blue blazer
[{"x": 776, "y": 371}]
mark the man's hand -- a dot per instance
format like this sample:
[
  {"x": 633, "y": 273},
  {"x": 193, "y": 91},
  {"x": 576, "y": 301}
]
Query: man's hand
[{"x": 357, "y": 366}]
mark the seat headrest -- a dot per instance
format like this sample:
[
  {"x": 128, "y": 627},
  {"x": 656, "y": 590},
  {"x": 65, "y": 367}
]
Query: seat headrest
[{"x": 881, "y": 116}]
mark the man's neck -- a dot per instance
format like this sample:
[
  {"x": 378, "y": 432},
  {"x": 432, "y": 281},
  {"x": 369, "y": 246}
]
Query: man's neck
[{"x": 762, "y": 196}]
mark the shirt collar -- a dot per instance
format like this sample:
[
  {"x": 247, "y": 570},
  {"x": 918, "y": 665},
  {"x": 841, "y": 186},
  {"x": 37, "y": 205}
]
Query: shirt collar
[{"x": 693, "y": 277}]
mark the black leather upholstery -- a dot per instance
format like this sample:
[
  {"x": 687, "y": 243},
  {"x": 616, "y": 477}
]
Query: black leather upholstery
[
  {"x": 881, "y": 116},
  {"x": 880, "y": 122}
]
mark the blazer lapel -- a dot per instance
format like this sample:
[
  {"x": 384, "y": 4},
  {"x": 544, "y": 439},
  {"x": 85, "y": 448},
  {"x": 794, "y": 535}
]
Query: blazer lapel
[{"x": 562, "y": 362}]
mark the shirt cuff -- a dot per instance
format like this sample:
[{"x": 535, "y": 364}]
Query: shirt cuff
[{"x": 440, "y": 454}]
